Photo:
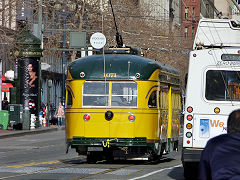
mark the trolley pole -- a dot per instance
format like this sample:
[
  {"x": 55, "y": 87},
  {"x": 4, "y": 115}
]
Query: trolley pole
[{"x": 64, "y": 59}]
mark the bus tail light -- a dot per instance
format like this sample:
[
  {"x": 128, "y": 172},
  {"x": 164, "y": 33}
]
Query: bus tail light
[
  {"x": 189, "y": 126},
  {"x": 189, "y": 109},
  {"x": 217, "y": 110},
  {"x": 188, "y": 134},
  {"x": 188, "y": 142},
  {"x": 131, "y": 117},
  {"x": 86, "y": 117},
  {"x": 189, "y": 117}
]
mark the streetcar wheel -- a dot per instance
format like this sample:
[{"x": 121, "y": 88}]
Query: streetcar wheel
[
  {"x": 155, "y": 158},
  {"x": 91, "y": 158}
]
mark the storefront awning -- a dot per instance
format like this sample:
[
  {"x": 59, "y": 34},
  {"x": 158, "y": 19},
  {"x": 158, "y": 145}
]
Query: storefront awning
[{"x": 6, "y": 86}]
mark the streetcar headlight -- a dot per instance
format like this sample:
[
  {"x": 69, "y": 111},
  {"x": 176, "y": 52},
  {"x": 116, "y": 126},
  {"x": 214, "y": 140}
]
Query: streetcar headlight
[
  {"x": 86, "y": 117},
  {"x": 108, "y": 115},
  {"x": 131, "y": 117}
]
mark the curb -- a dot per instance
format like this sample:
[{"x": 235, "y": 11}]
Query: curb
[{"x": 29, "y": 132}]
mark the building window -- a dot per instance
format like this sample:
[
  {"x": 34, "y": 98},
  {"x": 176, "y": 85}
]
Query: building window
[
  {"x": 192, "y": 31},
  {"x": 238, "y": 1},
  {"x": 186, "y": 32},
  {"x": 186, "y": 12},
  {"x": 193, "y": 12}
]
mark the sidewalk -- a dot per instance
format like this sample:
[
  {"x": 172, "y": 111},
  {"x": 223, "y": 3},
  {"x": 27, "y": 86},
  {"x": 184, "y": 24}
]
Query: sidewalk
[{"x": 15, "y": 133}]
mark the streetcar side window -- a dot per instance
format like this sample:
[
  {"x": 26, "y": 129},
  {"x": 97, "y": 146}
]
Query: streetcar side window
[
  {"x": 69, "y": 99},
  {"x": 152, "y": 102},
  {"x": 124, "y": 94},
  {"x": 95, "y": 94},
  {"x": 222, "y": 85}
]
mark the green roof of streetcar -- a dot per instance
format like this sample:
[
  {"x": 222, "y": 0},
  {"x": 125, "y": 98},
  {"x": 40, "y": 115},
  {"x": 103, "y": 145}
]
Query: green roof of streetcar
[{"x": 121, "y": 67}]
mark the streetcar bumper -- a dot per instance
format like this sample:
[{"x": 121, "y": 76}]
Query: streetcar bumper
[
  {"x": 134, "y": 147},
  {"x": 109, "y": 142}
]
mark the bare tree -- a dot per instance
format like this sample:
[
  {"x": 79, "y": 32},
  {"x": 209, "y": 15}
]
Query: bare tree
[{"x": 138, "y": 25}]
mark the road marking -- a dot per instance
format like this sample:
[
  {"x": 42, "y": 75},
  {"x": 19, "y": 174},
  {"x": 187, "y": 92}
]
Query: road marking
[
  {"x": 154, "y": 172},
  {"x": 64, "y": 170},
  {"x": 33, "y": 164}
]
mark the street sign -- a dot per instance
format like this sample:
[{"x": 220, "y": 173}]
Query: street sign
[
  {"x": 77, "y": 39},
  {"x": 98, "y": 40}
]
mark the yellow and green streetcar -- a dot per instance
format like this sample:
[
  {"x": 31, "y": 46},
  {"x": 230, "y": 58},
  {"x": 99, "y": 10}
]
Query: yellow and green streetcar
[{"x": 122, "y": 106}]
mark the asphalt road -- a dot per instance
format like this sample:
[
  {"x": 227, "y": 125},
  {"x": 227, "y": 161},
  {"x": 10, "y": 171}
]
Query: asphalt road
[{"x": 42, "y": 156}]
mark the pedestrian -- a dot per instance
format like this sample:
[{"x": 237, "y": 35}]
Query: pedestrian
[
  {"x": 221, "y": 157},
  {"x": 5, "y": 103},
  {"x": 60, "y": 114}
]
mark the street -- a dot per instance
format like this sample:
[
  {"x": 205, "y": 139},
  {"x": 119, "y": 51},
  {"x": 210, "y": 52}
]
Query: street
[{"x": 42, "y": 156}]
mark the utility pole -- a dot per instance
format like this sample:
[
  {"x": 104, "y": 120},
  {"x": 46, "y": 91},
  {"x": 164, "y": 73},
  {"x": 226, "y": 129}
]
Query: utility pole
[
  {"x": 64, "y": 57},
  {"x": 40, "y": 4}
]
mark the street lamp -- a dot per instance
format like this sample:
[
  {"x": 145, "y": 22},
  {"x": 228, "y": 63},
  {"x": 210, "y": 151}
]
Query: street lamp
[
  {"x": 66, "y": 9},
  {"x": 49, "y": 85}
]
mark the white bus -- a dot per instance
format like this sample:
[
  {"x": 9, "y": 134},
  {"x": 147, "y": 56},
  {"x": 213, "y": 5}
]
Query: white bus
[{"x": 213, "y": 87}]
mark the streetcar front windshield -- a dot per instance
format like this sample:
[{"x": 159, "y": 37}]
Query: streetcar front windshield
[
  {"x": 222, "y": 85},
  {"x": 124, "y": 94},
  {"x": 95, "y": 94}
]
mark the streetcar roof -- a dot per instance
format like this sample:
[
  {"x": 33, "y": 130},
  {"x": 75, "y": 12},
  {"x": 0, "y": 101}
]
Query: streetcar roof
[{"x": 120, "y": 66}]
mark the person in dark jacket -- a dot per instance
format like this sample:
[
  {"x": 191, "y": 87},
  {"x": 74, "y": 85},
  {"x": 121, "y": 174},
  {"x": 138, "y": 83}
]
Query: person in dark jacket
[
  {"x": 221, "y": 157},
  {"x": 5, "y": 103}
]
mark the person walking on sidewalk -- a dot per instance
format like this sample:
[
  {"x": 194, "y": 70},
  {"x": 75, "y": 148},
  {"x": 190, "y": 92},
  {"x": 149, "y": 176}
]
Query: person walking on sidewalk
[{"x": 60, "y": 114}]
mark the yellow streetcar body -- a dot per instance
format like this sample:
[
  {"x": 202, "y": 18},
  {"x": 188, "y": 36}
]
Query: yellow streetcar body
[{"x": 128, "y": 112}]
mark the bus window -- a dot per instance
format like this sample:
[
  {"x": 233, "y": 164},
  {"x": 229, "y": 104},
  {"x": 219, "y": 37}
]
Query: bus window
[
  {"x": 95, "y": 94},
  {"x": 124, "y": 94},
  {"x": 69, "y": 99},
  {"x": 222, "y": 85},
  {"x": 152, "y": 102}
]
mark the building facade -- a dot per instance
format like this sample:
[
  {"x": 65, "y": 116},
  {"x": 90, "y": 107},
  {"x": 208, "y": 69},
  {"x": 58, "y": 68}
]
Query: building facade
[
  {"x": 190, "y": 17},
  {"x": 220, "y": 9}
]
